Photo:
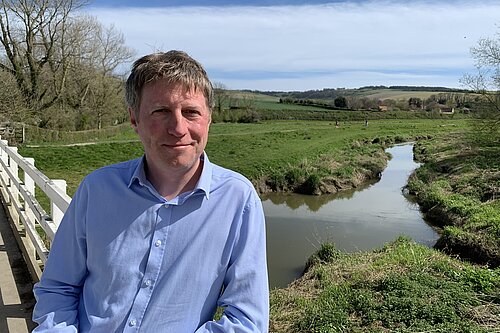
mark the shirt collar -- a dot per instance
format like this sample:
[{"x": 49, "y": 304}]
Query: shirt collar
[
  {"x": 139, "y": 173},
  {"x": 206, "y": 176},
  {"x": 203, "y": 184}
]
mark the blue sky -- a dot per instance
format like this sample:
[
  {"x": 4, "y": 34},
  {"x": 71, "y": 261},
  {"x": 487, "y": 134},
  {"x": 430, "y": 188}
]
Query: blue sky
[
  {"x": 209, "y": 3},
  {"x": 301, "y": 45}
]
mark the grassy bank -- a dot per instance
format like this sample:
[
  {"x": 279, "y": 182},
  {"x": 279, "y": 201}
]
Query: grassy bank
[
  {"x": 459, "y": 189},
  {"x": 403, "y": 287}
]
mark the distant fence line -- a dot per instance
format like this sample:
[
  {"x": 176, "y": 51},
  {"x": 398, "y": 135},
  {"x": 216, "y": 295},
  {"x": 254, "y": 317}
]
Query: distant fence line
[
  {"x": 254, "y": 115},
  {"x": 23, "y": 133}
]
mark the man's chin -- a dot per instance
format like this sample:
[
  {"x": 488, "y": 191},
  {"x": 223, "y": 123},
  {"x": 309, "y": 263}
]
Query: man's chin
[{"x": 180, "y": 164}]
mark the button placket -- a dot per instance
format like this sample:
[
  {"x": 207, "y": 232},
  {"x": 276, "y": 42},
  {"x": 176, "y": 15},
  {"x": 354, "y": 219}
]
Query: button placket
[{"x": 151, "y": 273}]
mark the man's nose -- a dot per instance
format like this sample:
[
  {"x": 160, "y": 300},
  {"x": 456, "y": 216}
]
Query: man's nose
[{"x": 177, "y": 125}]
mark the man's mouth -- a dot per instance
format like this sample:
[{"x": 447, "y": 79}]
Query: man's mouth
[{"x": 178, "y": 145}]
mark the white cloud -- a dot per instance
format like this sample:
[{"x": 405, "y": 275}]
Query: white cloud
[
  {"x": 351, "y": 39},
  {"x": 349, "y": 79}
]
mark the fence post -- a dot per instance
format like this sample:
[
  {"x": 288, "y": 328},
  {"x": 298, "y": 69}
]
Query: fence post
[
  {"x": 14, "y": 169},
  {"x": 29, "y": 184},
  {"x": 5, "y": 177},
  {"x": 56, "y": 213}
]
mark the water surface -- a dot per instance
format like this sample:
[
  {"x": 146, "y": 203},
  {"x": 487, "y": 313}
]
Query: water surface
[{"x": 356, "y": 220}]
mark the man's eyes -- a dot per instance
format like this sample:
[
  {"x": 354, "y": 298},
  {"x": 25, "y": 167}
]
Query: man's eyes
[
  {"x": 191, "y": 113},
  {"x": 187, "y": 112},
  {"x": 161, "y": 111}
]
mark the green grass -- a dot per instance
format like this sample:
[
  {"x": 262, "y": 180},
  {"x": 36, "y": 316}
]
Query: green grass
[
  {"x": 259, "y": 151},
  {"x": 403, "y": 287},
  {"x": 397, "y": 94},
  {"x": 275, "y": 105},
  {"x": 459, "y": 188}
]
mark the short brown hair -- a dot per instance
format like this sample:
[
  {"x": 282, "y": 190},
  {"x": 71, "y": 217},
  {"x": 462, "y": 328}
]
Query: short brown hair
[{"x": 173, "y": 66}]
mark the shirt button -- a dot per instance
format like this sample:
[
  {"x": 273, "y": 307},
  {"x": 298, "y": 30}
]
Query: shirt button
[
  {"x": 158, "y": 243},
  {"x": 133, "y": 322},
  {"x": 148, "y": 283}
]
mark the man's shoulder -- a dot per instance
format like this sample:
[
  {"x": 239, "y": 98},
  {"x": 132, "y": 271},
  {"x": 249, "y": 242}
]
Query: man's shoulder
[
  {"x": 222, "y": 177},
  {"x": 122, "y": 170}
]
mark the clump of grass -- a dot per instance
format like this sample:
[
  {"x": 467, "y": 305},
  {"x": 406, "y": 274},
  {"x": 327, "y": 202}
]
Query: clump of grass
[
  {"x": 326, "y": 254},
  {"x": 403, "y": 287}
]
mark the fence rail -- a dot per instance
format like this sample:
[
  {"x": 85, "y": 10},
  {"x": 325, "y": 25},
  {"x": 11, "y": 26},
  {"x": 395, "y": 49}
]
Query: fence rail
[
  {"x": 15, "y": 132},
  {"x": 33, "y": 227}
]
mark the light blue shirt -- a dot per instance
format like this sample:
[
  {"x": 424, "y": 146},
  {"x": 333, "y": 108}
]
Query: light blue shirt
[{"x": 124, "y": 259}]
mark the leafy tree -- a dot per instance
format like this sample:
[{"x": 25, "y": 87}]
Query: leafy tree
[
  {"x": 415, "y": 103},
  {"x": 340, "y": 102}
]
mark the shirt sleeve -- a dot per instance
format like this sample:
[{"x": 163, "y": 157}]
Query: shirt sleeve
[
  {"x": 58, "y": 292},
  {"x": 245, "y": 298}
]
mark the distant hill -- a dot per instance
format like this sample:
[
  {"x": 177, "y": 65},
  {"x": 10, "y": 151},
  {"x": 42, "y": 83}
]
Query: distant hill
[{"x": 376, "y": 92}]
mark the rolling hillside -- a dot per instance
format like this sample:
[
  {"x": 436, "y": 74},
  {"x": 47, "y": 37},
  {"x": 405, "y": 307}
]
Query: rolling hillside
[{"x": 376, "y": 92}]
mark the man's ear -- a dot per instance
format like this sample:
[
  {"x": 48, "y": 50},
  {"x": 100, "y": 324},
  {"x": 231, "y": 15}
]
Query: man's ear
[{"x": 133, "y": 119}]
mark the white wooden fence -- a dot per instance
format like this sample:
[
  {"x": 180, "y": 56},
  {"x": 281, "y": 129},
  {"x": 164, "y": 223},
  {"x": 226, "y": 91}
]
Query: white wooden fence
[{"x": 33, "y": 227}]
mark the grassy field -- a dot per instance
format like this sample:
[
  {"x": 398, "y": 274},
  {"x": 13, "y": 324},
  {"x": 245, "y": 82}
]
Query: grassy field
[
  {"x": 397, "y": 94},
  {"x": 267, "y": 150},
  {"x": 403, "y": 287}
]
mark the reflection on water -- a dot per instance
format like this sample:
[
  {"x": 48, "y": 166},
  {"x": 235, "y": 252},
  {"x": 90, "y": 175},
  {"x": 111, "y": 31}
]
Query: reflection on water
[
  {"x": 353, "y": 220},
  {"x": 312, "y": 202}
]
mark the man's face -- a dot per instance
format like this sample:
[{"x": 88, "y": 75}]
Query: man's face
[{"x": 173, "y": 126}]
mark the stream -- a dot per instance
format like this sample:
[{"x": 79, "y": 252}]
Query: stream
[{"x": 355, "y": 220}]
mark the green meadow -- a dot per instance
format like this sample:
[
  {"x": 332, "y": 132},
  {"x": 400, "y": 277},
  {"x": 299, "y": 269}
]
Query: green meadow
[
  {"x": 401, "y": 287},
  {"x": 258, "y": 150}
]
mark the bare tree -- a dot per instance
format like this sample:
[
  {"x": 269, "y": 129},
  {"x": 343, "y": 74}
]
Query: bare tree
[
  {"x": 59, "y": 59},
  {"x": 12, "y": 107},
  {"x": 486, "y": 83},
  {"x": 37, "y": 52},
  {"x": 221, "y": 95},
  {"x": 98, "y": 88}
]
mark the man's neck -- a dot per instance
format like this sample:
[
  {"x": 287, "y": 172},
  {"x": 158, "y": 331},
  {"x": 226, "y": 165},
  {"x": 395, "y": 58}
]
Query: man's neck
[{"x": 170, "y": 184}]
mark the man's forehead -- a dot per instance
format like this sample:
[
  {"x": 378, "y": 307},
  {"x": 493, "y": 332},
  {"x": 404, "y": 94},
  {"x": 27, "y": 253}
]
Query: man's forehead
[{"x": 178, "y": 86}]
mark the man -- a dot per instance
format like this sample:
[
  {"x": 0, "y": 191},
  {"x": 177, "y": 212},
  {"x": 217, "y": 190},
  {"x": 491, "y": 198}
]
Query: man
[{"x": 156, "y": 244}]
